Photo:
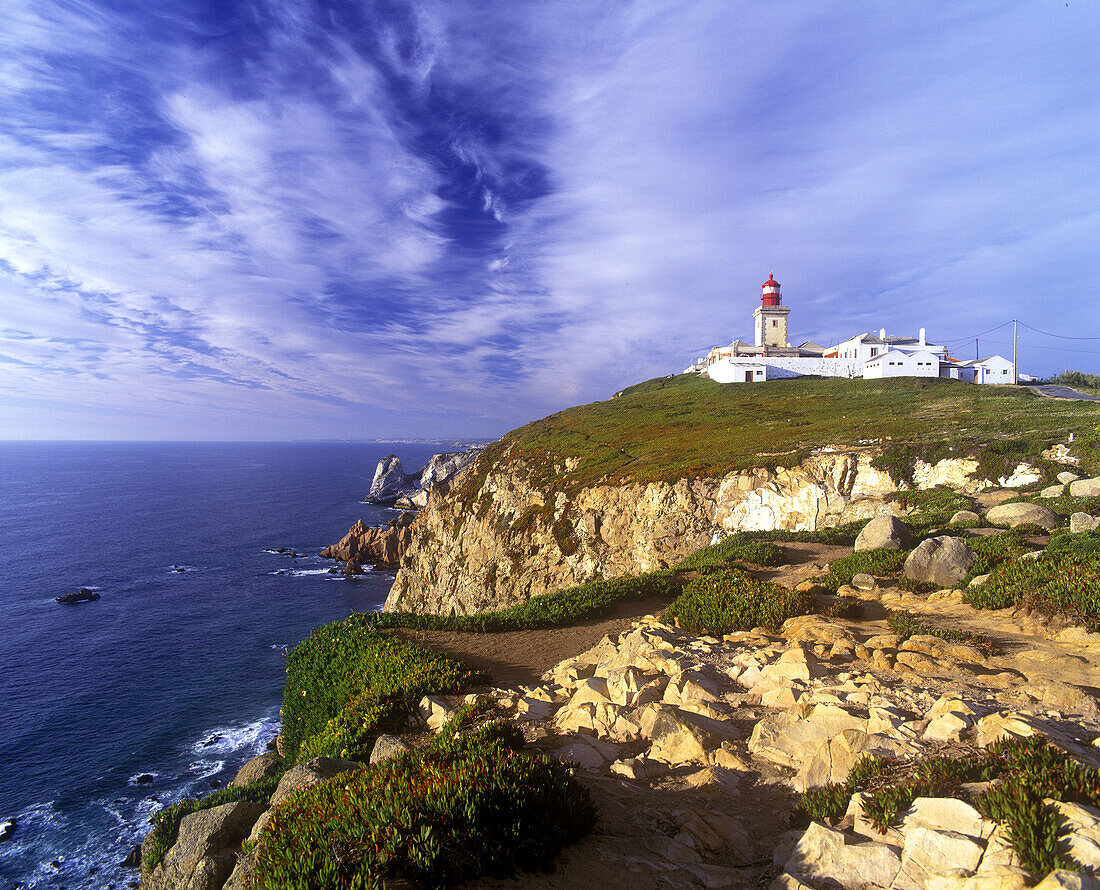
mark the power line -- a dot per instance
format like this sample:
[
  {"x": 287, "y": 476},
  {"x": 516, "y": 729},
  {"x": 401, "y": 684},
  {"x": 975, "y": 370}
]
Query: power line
[
  {"x": 982, "y": 334},
  {"x": 1059, "y": 336}
]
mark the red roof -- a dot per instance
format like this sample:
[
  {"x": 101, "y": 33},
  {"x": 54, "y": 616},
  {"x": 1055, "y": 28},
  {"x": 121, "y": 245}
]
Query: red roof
[{"x": 771, "y": 282}]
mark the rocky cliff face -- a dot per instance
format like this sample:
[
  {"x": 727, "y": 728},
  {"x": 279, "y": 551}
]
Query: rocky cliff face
[{"x": 506, "y": 537}]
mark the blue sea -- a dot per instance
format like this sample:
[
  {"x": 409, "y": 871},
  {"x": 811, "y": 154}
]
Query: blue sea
[{"x": 176, "y": 672}]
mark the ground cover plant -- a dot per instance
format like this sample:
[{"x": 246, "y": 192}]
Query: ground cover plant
[
  {"x": 561, "y": 607},
  {"x": 880, "y": 562},
  {"x": 1024, "y": 772},
  {"x": 906, "y": 625},
  {"x": 723, "y": 602},
  {"x": 1064, "y": 579},
  {"x": 470, "y": 804},
  {"x": 166, "y": 822},
  {"x": 992, "y": 550},
  {"x": 689, "y": 427},
  {"x": 932, "y": 507},
  {"x": 739, "y": 546},
  {"x": 346, "y": 677}
]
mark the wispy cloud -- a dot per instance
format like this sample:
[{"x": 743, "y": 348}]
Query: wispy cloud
[{"x": 300, "y": 219}]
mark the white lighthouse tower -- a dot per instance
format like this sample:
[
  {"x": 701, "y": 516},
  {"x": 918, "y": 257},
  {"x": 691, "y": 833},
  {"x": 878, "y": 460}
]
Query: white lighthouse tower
[{"x": 771, "y": 316}]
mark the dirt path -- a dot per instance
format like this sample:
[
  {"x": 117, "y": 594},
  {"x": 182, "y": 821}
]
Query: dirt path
[{"x": 519, "y": 658}]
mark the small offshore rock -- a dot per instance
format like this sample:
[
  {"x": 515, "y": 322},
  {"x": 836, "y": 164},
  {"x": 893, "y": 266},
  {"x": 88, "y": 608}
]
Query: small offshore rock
[
  {"x": 7, "y": 829},
  {"x": 83, "y": 595}
]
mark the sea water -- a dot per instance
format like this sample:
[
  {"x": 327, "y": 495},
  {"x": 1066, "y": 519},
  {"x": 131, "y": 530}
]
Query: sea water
[{"x": 169, "y": 682}]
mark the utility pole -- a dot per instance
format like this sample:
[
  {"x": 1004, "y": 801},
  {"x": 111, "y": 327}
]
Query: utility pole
[
  {"x": 1015, "y": 352},
  {"x": 977, "y": 355}
]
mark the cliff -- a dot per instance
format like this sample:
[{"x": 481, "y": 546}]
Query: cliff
[
  {"x": 640, "y": 481},
  {"x": 516, "y": 536}
]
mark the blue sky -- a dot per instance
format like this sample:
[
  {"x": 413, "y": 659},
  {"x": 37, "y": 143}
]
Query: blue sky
[{"x": 340, "y": 219}]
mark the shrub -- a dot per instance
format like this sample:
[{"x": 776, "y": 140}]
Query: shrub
[
  {"x": 882, "y": 561},
  {"x": 1065, "y": 579},
  {"x": 906, "y": 625},
  {"x": 166, "y": 822},
  {"x": 749, "y": 546},
  {"x": 733, "y": 600},
  {"x": 844, "y": 607},
  {"x": 346, "y": 677},
  {"x": 545, "y": 610},
  {"x": 470, "y": 804}
]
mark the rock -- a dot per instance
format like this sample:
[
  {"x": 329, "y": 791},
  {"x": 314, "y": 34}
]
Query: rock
[
  {"x": 258, "y": 768},
  {"x": 863, "y": 581},
  {"x": 387, "y": 746},
  {"x": 7, "y": 829},
  {"x": 1085, "y": 488},
  {"x": 381, "y": 547},
  {"x": 1011, "y": 515},
  {"x": 305, "y": 775},
  {"x": 390, "y": 481},
  {"x": 793, "y": 736},
  {"x": 1062, "y": 879},
  {"x": 822, "y": 856},
  {"x": 943, "y": 561},
  {"x": 930, "y": 852},
  {"x": 144, "y": 779},
  {"x": 434, "y": 711},
  {"x": 391, "y": 484},
  {"x": 1052, "y": 491},
  {"x": 1022, "y": 476},
  {"x": 794, "y": 664},
  {"x": 946, "y": 814},
  {"x": 1066, "y": 477},
  {"x": 133, "y": 858},
  {"x": 83, "y": 595},
  {"x": 834, "y": 759},
  {"x": 582, "y": 755},
  {"x": 1082, "y": 522},
  {"x": 1081, "y": 831},
  {"x": 885, "y": 531},
  {"x": 679, "y": 736},
  {"x": 205, "y": 851}
]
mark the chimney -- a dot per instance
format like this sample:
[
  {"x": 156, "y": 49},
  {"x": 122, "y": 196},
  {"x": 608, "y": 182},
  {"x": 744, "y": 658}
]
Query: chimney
[
  {"x": 882, "y": 333},
  {"x": 922, "y": 332}
]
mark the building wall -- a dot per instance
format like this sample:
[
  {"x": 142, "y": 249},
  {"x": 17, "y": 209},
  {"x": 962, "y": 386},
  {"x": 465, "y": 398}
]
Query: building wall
[{"x": 732, "y": 370}]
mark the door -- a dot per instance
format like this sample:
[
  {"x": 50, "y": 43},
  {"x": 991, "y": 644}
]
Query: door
[{"x": 748, "y": 376}]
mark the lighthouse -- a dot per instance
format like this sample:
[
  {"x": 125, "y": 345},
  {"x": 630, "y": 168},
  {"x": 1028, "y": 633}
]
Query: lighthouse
[{"x": 771, "y": 316}]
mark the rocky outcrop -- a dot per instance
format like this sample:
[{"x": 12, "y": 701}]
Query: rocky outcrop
[
  {"x": 512, "y": 536},
  {"x": 392, "y": 485},
  {"x": 83, "y": 595},
  {"x": 381, "y": 547}
]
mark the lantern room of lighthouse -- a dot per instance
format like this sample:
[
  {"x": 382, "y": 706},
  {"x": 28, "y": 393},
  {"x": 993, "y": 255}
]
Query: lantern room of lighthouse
[{"x": 771, "y": 316}]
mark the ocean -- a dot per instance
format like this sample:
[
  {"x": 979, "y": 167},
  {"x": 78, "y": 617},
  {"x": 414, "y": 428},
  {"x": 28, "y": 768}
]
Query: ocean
[{"x": 169, "y": 682}]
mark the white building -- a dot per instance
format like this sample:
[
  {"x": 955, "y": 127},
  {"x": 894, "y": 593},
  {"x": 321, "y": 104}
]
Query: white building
[
  {"x": 895, "y": 363},
  {"x": 865, "y": 355}
]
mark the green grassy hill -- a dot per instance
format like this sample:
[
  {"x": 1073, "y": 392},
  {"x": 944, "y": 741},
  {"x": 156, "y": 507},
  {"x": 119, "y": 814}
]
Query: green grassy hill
[{"x": 688, "y": 426}]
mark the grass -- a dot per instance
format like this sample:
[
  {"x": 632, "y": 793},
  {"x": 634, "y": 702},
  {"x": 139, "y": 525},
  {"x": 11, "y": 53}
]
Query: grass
[
  {"x": 166, "y": 822},
  {"x": 723, "y": 602},
  {"x": 470, "y": 804},
  {"x": 556, "y": 609},
  {"x": 1024, "y": 773},
  {"x": 346, "y": 678},
  {"x": 688, "y": 427},
  {"x": 906, "y": 625},
  {"x": 1065, "y": 580}
]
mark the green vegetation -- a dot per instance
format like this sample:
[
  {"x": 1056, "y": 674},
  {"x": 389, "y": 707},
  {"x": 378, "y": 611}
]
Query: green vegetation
[
  {"x": 166, "y": 822},
  {"x": 1088, "y": 383},
  {"x": 1065, "y": 579},
  {"x": 906, "y": 625},
  {"x": 348, "y": 676},
  {"x": 724, "y": 602},
  {"x": 881, "y": 562},
  {"x": 1024, "y": 772},
  {"x": 468, "y": 805},
  {"x": 555, "y": 609},
  {"x": 690, "y": 427},
  {"x": 933, "y": 507},
  {"x": 751, "y": 546},
  {"x": 992, "y": 550},
  {"x": 844, "y": 607}
]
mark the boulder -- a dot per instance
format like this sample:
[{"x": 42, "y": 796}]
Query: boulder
[
  {"x": 1066, "y": 477},
  {"x": 258, "y": 768},
  {"x": 1085, "y": 488},
  {"x": 821, "y": 856},
  {"x": 305, "y": 775},
  {"x": 929, "y": 852},
  {"x": 965, "y": 517},
  {"x": 204, "y": 854},
  {"x": 387, "y": 746},
  {"x": 1082, "y": 522},
  {"x": 1011, "y": 515},
  {"x": 680, "y": 736},
  {"x": 1082, "y": 827},
  {"x": 435, "y": 711},
  {"x": 943, "y": 561},
  {"x": 885, "y": 531}
]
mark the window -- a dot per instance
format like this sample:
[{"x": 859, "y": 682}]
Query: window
[
  {"x": 874, "y": 350},
  {"x": 775, "y": 322}
]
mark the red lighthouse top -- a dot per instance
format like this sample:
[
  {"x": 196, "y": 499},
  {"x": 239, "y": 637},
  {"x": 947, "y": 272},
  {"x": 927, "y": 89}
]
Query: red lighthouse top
[{"x": 771, "y": 295}]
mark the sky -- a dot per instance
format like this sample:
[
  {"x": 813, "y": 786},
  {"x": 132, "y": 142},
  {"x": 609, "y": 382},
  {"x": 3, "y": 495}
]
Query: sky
[{"x": 314, "y": 219}]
